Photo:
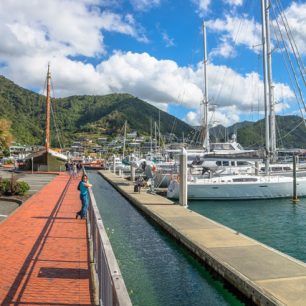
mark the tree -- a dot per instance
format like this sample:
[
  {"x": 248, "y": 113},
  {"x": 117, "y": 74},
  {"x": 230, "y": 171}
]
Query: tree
[{"x": 5, "y": 134}]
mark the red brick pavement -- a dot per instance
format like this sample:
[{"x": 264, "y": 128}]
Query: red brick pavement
[{"x": 44, "y": 250}]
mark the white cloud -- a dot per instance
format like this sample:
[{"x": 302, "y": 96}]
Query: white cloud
[
  {"x": 201, "y": 6},
  {"x": 144, "y": 5},
  {"x": 234, "y": 2},
  {"x": 226, "y": 116},
  {"x": 62, "y": 26},
  {"x": 155, "y": 80},
  {"x": 296, "y": 17},
  {"x": 240, "y": 31},
  {"x": 224, "y": 49},
  {"x": 169, "y": 41},
  {"x": 193, "y": 118}
]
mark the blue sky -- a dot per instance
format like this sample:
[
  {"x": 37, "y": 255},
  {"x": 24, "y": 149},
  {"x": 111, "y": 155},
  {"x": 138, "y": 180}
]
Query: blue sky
[{"x": 153, "y": 50}]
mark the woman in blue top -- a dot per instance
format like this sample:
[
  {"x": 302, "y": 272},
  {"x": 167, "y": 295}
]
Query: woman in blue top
[{"x": 83, "y": 187}]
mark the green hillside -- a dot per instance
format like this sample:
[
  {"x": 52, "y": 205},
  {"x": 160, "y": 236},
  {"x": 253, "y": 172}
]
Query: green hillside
[
  {"x": 290, "y": 133},
  {"x": 95, "y": 116},
  {"x": 80, "y": 115}
]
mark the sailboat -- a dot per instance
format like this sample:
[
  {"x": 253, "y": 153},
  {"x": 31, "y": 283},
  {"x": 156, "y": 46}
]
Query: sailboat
[
  {"x": 46, "y": 159},
  {"x": 241, "y": 186}
]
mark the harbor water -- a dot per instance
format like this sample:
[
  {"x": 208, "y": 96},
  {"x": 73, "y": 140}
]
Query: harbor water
[
  {"x": 156, "y": 270},
  {"x": 277, "y": 223}
]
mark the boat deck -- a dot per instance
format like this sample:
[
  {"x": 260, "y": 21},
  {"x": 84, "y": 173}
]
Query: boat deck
[{"x": 261, "y": 273}]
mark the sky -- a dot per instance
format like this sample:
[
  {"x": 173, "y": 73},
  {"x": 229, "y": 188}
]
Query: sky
[{"x": 153, "y": 49}]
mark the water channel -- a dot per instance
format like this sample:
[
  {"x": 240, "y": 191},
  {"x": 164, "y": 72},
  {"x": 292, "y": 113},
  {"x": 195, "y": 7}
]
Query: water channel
[{"x": 157, "y": 271}]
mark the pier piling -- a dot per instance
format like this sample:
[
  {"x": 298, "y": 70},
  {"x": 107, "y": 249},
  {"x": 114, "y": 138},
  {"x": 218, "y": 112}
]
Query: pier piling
[
  {"x": 183, "y": 179},
  {"x": 294, "y": 198}
]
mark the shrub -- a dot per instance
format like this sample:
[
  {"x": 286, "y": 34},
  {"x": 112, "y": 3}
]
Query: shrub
[
  {"x": 8, "y": 162},
  {"x": 13, "y": 187},
  {"x": 22, "y": 187}
]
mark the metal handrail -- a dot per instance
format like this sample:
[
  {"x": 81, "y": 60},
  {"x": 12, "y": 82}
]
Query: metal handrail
[{"x": 110, "y": 283}]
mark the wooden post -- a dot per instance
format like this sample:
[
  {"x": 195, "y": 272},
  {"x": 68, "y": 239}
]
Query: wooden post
[
  {"x": 47, "y": 141},
  {"x": 114, "y": 164},
  {"x": 183, "y": 196},
  {"x": 294, "y": 198},
  {"x": 132, "y": 172},
  {"x": 256, "y": 168}
]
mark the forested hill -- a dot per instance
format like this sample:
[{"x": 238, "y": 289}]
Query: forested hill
[
  {"x": 290, "y": 133},
  {"x": 95, "y": 116},
  {"x": 81, "y": 115}
]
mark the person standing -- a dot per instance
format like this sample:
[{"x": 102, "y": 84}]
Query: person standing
[{"x": 83, "y": 187}]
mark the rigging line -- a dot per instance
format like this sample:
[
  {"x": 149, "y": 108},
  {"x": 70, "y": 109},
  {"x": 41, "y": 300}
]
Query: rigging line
[
  {"x": 279, "y": 139},
  {"x": 180, "y": 97},
  {"x": 291, "y": 40},
  {"x": 58, "y": 134},
  {"x": 290, "y": 62},
  {"x": 292, "y": 130},
  {"x": 56, "y": 128},
  {"x": 226, "y": 72},
  {"x": 290, "y": 78}
]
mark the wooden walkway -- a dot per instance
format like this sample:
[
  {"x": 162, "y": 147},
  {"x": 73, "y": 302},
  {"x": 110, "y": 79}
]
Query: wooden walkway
[
  {"x": 266, "y": 276},
  {"x": 44, "y": 250}
]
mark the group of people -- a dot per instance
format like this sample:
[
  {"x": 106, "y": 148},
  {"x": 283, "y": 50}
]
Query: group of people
[{"x": 73, "y": 168}]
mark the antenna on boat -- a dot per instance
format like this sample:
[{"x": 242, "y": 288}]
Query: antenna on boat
[
  {"x": 205, "y": 102},
  {"x": 48, "y": 104}
]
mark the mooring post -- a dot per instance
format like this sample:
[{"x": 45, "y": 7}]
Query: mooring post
[
  {"x": 294, "y": 198},
  {"x": 114, "y": 164},
  {"x": 132, "y": 173},
  {"x": 183, "y": 196},
  {"x": 256, "y": 168}
]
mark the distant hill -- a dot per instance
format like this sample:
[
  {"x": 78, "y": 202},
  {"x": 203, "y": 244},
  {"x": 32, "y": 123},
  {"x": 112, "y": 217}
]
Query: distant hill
[
  {"x": 95, "y": 116},
  {"x": 290, "y": 133},
  {"x": 81, "y": 115}
]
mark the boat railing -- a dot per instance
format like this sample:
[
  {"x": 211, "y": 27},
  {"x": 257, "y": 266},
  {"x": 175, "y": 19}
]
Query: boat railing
[{"x": 110, "y": 287}]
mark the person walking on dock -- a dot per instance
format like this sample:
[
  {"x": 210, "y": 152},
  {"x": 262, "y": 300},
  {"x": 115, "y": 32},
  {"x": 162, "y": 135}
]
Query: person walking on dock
[{"x": 83, "y": 187}]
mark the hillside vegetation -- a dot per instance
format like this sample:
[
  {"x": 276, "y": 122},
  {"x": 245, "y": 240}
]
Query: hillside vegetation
[
  {"x": 80, "y": 115},
  {"x": 96, "y": 116}
]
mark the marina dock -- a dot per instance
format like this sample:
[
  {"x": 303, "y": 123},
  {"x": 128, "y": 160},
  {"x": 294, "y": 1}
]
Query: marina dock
[
  {"x": 264, "y": 275},
  {"x": 44, "y": 250}
]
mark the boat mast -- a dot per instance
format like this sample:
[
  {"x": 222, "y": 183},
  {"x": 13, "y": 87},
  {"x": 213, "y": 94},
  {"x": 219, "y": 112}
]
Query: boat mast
[
  {"x": 48, "y": 101},
  {"x": 270, "y": 84},
  {"x": 205, "y": 102},
  {"x": 266, "y": 87}
]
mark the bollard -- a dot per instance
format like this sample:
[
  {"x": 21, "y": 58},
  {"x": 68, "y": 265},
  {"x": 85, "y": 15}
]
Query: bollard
[
  {"x": 256, "y": 168},
  {"x": 132, "y": 173},
  {"x": 294, "y": 198},
  {"x": 120, "y": 172},
  {"x": 114, "y": 164},
  {"x": 183, "y": 196}
]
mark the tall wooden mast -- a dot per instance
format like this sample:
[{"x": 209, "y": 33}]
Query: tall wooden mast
[{"x": 47, "y": 143}]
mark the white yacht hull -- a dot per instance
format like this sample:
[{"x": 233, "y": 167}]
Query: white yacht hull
[{"x": 262, "y": 189}]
